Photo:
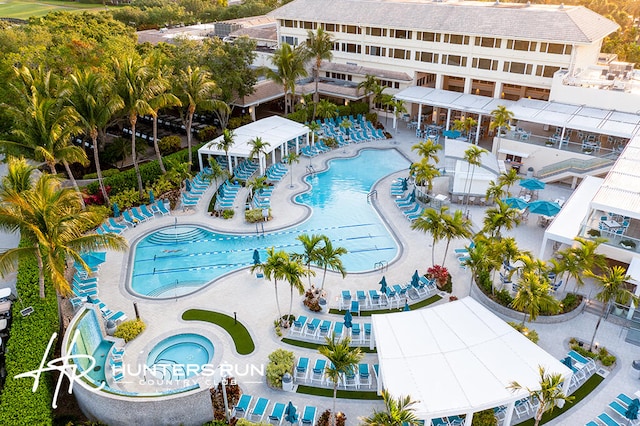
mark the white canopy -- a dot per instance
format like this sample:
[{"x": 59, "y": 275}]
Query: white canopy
[{"x": 457, "y": 358}]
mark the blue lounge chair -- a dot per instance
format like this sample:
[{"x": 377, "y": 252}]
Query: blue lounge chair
[
  {"x": 115, "y": 225},
  {"x": 588, "y": 363},
  {"x": 117, "y": 317},
  {"x": 146, "y": 211},
  {"x": 355, "y": 307},
  {"x": 592, "y": 423},
  {"x": 619, "y": 409},
  {"x": 346, "y": 299},
  {"x": 241, "y": 408},
  {"x": 298, "y": 324},
  {"x": 367, "y": 330},
  {"x": 607, "y": 420},
  {"x": 309, "y": 415},
  {"x": 118, "y": 376},
  {"x": 126, "y": 216},
  {"x": 302, "y": 368},
  {"x": 374, "y": 298},
  {"x": 138, "y": 215},
  {"x": 317, "y": 373},
  {"x": 277, "y": 413},
  {"x": 338, "y": 329},
  {"x": 363, "y": 375},
  {"x": 624, "y": 398},
  {"x": 257, "y": 413},
  {"x": 160, "y": 207},
  {"x": 325, "y": 328},
  {"x": 355, "y": 332},
  {"x": 117, "y": 353},
  {"x": 312, "y": 327}
]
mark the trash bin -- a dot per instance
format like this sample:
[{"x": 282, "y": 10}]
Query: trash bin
[
  {"x": 636, "y": 366},
  {"x": 529, "y": 172},
  {"x": 287, "y": 382},
  {"x": 111, "y": 327}
]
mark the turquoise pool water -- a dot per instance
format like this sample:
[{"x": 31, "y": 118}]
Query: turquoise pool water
[
  {"x": 180, "y": 259},
  {"x": 180, "y": 357}
]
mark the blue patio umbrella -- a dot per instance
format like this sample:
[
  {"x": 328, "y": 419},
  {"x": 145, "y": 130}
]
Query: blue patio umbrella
[
  {"x": 348, "y": 320},
  {"x": 632, "y": 410},
  {"x": 532, "y": 184},
  {"x": 152, "y": 199},
  {"x": 405, "y": 184},
  {"x": 568, "y": 362},
  {"x": 256, "y": 257},
  {"x": 515, "y": 203},
  {"x": 545, "y": 208},
  {"x": 452, "y": 134},
  {"x": 94, "y": 258},
  {"x": 406, "y": 307},
  {"x": 116, "y": 210},
  {"x": 290, "y": 414},
  {"x": 415, "y": 279},
  {"x": 412, "y": 196},
  {"x": 383, "y": 285},
  {"x": 187, "y": 185}
]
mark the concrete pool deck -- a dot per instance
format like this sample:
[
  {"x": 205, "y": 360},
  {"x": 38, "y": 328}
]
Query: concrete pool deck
[{"x": 252, "y": 299}]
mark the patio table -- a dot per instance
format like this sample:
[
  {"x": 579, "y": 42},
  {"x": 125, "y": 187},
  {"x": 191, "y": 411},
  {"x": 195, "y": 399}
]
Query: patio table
[{"x": 611, "y": 224}]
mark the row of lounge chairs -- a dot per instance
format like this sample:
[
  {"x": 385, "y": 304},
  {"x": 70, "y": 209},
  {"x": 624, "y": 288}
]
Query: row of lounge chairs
[
  {"x": 226, "y": 195},
  {"x": 358, "y": 379},
  {"x": 396, "y": 294},
  {"x": 276, "y": 172},
  {"x": 255, "y": 412},
  {"x": 245, "y": 169},
  {"x": 618, "y": 409},
  {"x": 409, "y": 206},
  {"x": 317, "y": 329},
  {"x": 261, "y": 199},
  {"x": 195, "y": 188}
]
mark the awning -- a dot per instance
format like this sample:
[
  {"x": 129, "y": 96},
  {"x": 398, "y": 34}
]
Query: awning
[
  {"x": 634, "y": 270},
  {"x": 511, "y": 152}
]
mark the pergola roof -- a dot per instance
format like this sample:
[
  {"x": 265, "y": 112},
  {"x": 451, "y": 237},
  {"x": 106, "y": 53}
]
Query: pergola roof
[
  {"x": 588, "y": 119},
  {"x": 275, "y": 129},
  {"x": 457, "y": 358}
]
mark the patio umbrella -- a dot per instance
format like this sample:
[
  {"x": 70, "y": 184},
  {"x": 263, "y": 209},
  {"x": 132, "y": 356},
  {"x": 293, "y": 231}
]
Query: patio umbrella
[
  {"x": 116, "y": 210},
  {"x": 405, "y": 184},
  {"x": 94, "y": 258},
  {"x": 412, "y": 196},
  {"x": 152, "y": 199},
  {"x": 632, "y": 410},
  {"x": 568, "y": 362},
  {"x": 256, "y": 257},
  {"x": 187, "y": 185},
  {"x": 515, "y": 203},
  {"x": 545, "y": 208},
  {"x": 452, "y": 134},
  {"x": 406, "y": 307},
  {"x": 532, "y": 184},
  {"x": 290, "y": 414},
  {"x": 348, "y": 320},
  {"x": 415, "y": 279},
  {"x": 383, "y": 285}
]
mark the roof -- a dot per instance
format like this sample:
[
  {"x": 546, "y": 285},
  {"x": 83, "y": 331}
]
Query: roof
[
  {"x": 263, "y": 91},
  {"x": 563, "y": 24},
  {"x": 463, "y": 361},
  {"x": 363, "y": 71}
]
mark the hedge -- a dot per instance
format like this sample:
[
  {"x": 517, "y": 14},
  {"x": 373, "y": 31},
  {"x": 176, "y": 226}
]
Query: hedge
[{"x": 24, "y": 351}]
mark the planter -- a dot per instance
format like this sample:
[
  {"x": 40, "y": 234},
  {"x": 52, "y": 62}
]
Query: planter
[{"x": 627, "y": 244}]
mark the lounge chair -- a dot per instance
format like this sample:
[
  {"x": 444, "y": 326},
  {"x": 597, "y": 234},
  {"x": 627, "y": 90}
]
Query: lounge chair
[
  {"x": 145, "y": 211},
  {"x": 355, "y": 332},
  {"x": 257, "y": 413},
  {"x": 241, "y": 408},
  {"x": 298, "y": 324},
  {"x": 309, "y": 415},
  {"x": 345, "y": 300},
  {"x": 160, "y": 207},
  {"x": 317, "y": 373},
  {"x": 117, "y": 353},
  {"x": 624, "y": 398},
  {"x": 312, "y": 327},
  {"x": 592, "y": 423},
  {"x": 325, "y": 328},
  {"x": 126, "y": 216},
  {"x": 115, "y": 225},
  {"x": 118, "y": 376},
  {"x": 138, "y": 215},
  {"x": 367, "y": 330},
  {"x": 374, "y": 298},
  {"x": 588, "y": 363},
  {"x": 338, "y": 329},
  {"x": 607, "y": 420},
  {"x": 355, "y": 307},
  {"x": 117, "y": 317},
  {"x": 302, "y": 368},
  {"x": 620, "y": 410},
  {"x": 277, "y": 413}
]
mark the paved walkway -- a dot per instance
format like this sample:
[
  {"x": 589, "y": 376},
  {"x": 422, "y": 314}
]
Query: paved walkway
[{"x": 252, "y": 299}]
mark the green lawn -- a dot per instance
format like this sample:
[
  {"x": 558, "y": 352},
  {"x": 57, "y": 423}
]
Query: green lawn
[
  {"x": 311, "y": 390},
  {"x": 24, "y": 9},
  {"x": 238, "y": 332},
  {"x": 418, "y": 305},
  {"x": 316, "y": 346}
]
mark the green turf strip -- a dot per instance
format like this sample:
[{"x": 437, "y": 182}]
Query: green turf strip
[
  {"x": 310, "y": 390},
  {"x": 238, "y": 332},
  {"x": 315, "y": 346},
  {"x": 418, "y": 305},
  {"x": 24, "y": 9},
  {"x": 578, "y": 395}
]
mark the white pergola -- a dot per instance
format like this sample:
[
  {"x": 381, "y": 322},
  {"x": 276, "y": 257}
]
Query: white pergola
[
  {"x": 275, "y": 130},
  {"x": 458, "y": 358}
]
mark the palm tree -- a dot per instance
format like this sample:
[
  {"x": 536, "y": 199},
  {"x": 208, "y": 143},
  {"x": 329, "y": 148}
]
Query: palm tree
[
  {"x": 289, "y": 63},
  {"x": 292, "y": 158},
  {"x": 343, "y": 360},
  {"x": 225, "y": 144},
  {"x": 292, "y": 272},
  {"x": 424, "y": 172},
  {"x": 388, "y": 102},
  {"x": 159, "y": 101},
  {"x": 549, "y": 394},
  {"x": 432, "y": 222},
  {"x": 501, "y": 120},
  {"x": 465, "y": 126},
  {"x": 319, "y": 46},
  {"x": 329, "y": 258},
  {"x": 495, "y": 191},
  {"x": 456, "y": 226},
  {"x": 398, "y": 412},
  {"x": 472, "y": 157},
  {"x": 480, "y": 260},
  {"x": 96, "y": 104},
  {"x": 256, "y": 185},
  {"x": 217, "y": 171},
  {"x": 398, "y": 109},
  {"x": 259, "y": 150},
  {"x": 613, "y": 289},
  {"x": 370, "y": 86},
  {"x": 52, "y": 220},
  {"x": 310, "y": 247},
  {"x": 326, "y": 109},
  {"x": 135, "y": 88},
  {"x": 313, "y": 128},
  {"x": 534, "y": 296},
  {"x": 428, "y": 149},
  {"x": 498, "y": 217},
  {"x": 273, "y": 267},
  {"x": 508, "y": 179}
]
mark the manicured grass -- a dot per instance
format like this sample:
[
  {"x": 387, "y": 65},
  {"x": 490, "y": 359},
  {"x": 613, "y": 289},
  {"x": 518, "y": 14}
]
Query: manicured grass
[
  {"x": 238, "y": 332},
  {"x": 311, "y": 345},
  {"x": 418, "y": 305},
  {"x": 310, "y": 390},
  {"x": 24, "y": 9},
  {"x": 578, "y": 395}
]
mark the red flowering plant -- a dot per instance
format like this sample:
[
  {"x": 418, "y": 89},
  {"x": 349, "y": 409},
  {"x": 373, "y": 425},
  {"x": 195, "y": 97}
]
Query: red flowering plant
[{"x": 440, "y": 274}]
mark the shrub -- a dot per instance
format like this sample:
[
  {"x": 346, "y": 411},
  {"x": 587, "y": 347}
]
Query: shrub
[
  {"x": 234, "y": 123},
  {"x": 105, "y": 174},
  {"x": 311, "y": 301},
  {"x": 280, "y": 362},
  {"x": 207, "y": 133},
  {"x": 299, "y": 116},
  {"x": 325, "y": 417},
  {"x": 228, "y": 214},
  {"x": 484, "y": 418},
  {"x": 129, "y": 330},
  {"x": 126, "y": 199},
  {"x": 359, "y": 108},
  {"x": 343, "y": 110},
  {"x": 372, "y": 117},
  {"x": 442, "y": 277},
  {"x": 570, "y": 302},
  {"x": 169, "y": 144},
  {"x": 254, "y": 215},
  {"x": 244, "y": 422},
  {"x": 605, "y": 357},
  {"x": 593, "y": 233},
  {"x": 503, "y": 297},
  {"x": 529, "y": 333},
  {"x": 330, "y": 142}
]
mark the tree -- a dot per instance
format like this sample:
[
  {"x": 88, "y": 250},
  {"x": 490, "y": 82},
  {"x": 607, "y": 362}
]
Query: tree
[
  {"x": 580, "y": 258},
  {"x": 613, "y": 289},
  {"x": 289, "y": 63},
  {"x": 343, "y": 360},
  {"x": 465, "y": 126},
  {"x": 53, "y": 222},
  {"x": 424, "y": 172},
  {"x": 225, "y": 144},
  {"x": 495, "y": 191},
  {"x": 472, "y": 157},
  {"x": 256, "y": 184},
  {"x": 326, "y": 109},
  {"x": 313, "y": 128},
  {"x": 549, "y": 394},
  {"x": 398, "y": 412},
  {"x": 432, "y": 222},
  {"x": 292, "y": 158},
  {"x": 96, "y": 104},
  {"x": 292, "y": 272},
  {"x": 501, "y": 120},
  {"x": 329, "y": 258},
  {"x": 319, "y": 46},
  {"x": 481, "y": 262},
  {"x": 534, "y": 296},
  {"x": 310, "y": 247},
  {"x": 456, "y": 226},
  {"x": 498, "y": 217},
  {"x": 508, "y": 179},
  {"x": 258, "y": 150},
  {"x": 217, "y": 171},
  {"x": 370, "y": 86},
  {"x": 272, "y": 268},
  {"x": 398, "y": 109},
  {"x": 428, "y": 149}
]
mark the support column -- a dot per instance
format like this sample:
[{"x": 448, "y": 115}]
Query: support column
[
  {"x": 508, "y": 413},
  {"x": 439, "y": 81},
  {"x": 565, "y": 389},
  {"x": 467, "y": 85},
  {"x": 419, "y": 116},
  {"x": 478, "y": 128},
  {"x": 252, "y": 113},
  {"x": 468, "y": 419},
  {"x": 497, "y": 90},
  {"x": 562, "y": 138},
  {"x": 448, "y": 118}
]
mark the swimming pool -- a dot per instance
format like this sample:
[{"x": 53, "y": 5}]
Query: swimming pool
[
  {"x": 180, "y": 259},
  {"x": 180, "y": 357}
]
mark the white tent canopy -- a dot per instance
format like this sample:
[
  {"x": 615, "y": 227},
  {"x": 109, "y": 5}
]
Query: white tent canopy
[
  {"x": 457, "y": 358},
  {"x": 275, "y": 130}
]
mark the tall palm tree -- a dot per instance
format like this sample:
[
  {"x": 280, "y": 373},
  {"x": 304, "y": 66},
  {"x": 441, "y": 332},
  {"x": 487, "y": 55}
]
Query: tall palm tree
[
  {"x": 480, "y": 260},
  {"x": 533, "y": 296},
  {"x": 326, "y": 109},
  {"x": 498, "y": 217},
  {"x": 613, "y": 289},
  {"x": 162, "y": 99},
  {"x": 508, "y": 179},
  {"x": 387, "y": 102},
  {"x": 495, "y": 191},
  {"x": 96, "y": 104},
  {"x": 289, "y": 63},
  {"x": 397, "y": 105},
  {"x": 432, "y": 222},
  {"x": 472, "y": 157},
  {"x": 313, "y": 128},
  {"x": 292, "y": 158},
  {"x": 343, "y": 360},
  {"x": 549, "y": 394},
  {"x": 424, "y": 172},
  {"x": 465, "y": 126},
  {"x": 398, "y": 412},
  {"x": 216, "y": 172},
  {"x": 319, "y": 46},
  {"x": 580, "y": 258},
  {"x": 310, "y": 247},
  {"x": 501, "y": 120},
  {"x": 135, "y": 88},
  {"x": 51, "y": 218},
  {"x": 225, "y": 144},
  {"x": 329, "y": 258},
  {"x": 272, "y": 268},
  {"x": 370, "y": 86},
  {"x": 259, "y": 150},
  {"x": 456, "y": 226},
  {"x": 428, "y": 149},
  {"x": 292, "y": 272}
]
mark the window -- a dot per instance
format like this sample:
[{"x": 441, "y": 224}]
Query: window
[
  {"x": 351, "y": 29},
  {"x": 293, "y": 41},
  {"x": 427, "y": 57},
  {"x": 308, "y": 25},
  {"x": 546, "y": 71},
  {"x": 454, "y": 60},
  {"x": 329, "y": 27},
  {"x": 375, "y": 50},
  {"x": 399, "y": 53},
  {"x": 455, "y": 39},
  {"x": 351, "y": 48},
  {"x": 401, "y": 34},
  {"x": 555, "y": 48},
  {"x": 377, "y": 32},
  {"x": 485, "y": 64},
  {"x": 390, "y": 84},
  {"x": 426, "y": 36},
  {"x": 517, "y": 68},
  {"x": 522, "y": 45},
  {"x": 487, "y": 42},
  {"x": 339, "y": 76},
  {"x": 288, "y": 23}
]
